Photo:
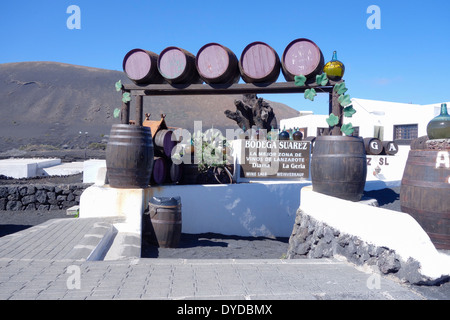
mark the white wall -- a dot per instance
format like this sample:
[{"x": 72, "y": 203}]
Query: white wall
[{"x": 371, "y": 113}]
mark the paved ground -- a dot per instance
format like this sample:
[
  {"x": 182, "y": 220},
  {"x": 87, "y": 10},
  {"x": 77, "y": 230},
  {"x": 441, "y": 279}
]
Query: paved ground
[{"x": 50, "y": 261}]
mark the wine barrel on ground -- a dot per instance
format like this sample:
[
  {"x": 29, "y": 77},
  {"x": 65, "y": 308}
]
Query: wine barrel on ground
[
  {"x": 129, "y": 156},
  {"x": 302, "y": 57},
  {"x": 177, "y": 66},
  {"x": 164, "y": 229},
  {"x": 141, "y": 67},
  {"x": 217, "y": 64},
  {"x": 259, "y": 63},
  {"x": 424, "y": 193}
]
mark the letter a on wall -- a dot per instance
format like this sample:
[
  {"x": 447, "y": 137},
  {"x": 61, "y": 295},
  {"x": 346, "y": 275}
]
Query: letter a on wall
[{"x": 74, "y": 21}]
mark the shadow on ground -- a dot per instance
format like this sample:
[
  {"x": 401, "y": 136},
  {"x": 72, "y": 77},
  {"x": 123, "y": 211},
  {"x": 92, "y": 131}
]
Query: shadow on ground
[{"x": 218, "y": 246}]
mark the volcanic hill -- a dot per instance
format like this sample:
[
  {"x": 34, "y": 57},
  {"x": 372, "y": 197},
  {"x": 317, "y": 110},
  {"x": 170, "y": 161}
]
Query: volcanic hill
[{"x": 68, "y": 106}]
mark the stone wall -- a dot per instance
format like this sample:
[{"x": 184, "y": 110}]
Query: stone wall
[
  {"x": 314, "y": 239},
  {"x": 40, "y": 197}
]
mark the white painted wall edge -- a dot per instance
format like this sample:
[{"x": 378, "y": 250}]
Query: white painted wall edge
[{"x": 384, "y": 228}]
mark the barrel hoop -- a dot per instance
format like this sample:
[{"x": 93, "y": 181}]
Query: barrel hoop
[
  {"x": 417, "y": 160},
  {"x": 157, "y": 206},
  {"x": 125, "y": 144},
  {"x": 428, "y": 184},
  {"x": 171, "y": 222},
  {"x": 425, "y": 213}
]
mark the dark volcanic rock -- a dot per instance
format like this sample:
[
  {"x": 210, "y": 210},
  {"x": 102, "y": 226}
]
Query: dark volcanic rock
[{"x": 50, "y": 103}]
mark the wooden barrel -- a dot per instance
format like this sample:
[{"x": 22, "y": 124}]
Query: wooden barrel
[
  {"x": 217, "y": 64},
  {"x": 390, "y": 148},
  {"x": 129, "y": 156},
  {"x": 141, "y": 67},
  {"x": 177, "y": 65},
  {"x": 160, "y": 169},
  {"x": 259, "y": 63},
  {"x": 302, "y": 57},
  {"x": 338, "y": 167},
  {"x": 425, "y": 193},
  {"x": 419, "y": 143},
  {"x": 166, "y": 222},
  {"x": 166, "y": 140},
  {"x": 373, "y": 146}
]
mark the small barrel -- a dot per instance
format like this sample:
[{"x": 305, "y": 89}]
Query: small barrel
[
  {"x": 166, "y": 221},
  {"x": 129, "y": 156},
  {"x": 166, "y": 140},
  {"x": 390, "y": 148},
  {"x": 338, "y": 167},
  {"x": 424, "y": 193},
  {"x": 373, "y": 146},
  {"x": 176, "y": 172},
  {"x": 302, "y": 57},
  {"x": 217, "y": 64},
  {"x": 160, "y": 169},
  {"x": 177, "y": 66},
  {"x": 259, "y": 63},
  {"x": 141, "y": 67}
]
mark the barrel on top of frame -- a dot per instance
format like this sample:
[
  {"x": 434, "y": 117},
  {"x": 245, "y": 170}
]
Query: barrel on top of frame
[
  {"x": 177, "y": 66},
  {"x": 141, "y": 67},
  {"x": 259, "y": 63},
  {"x": 216, "y": 64},
  {"x": 302, "y": 57}
]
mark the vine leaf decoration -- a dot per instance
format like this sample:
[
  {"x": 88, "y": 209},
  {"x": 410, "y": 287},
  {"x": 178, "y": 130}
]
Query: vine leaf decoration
[
  {"x": 332, "y": 120},
  {"x": 340, "y": 88},
  {"x": 349, "y": 111},
  {"x": 322, "y": 79},
  {"x": 126, "y": 97},
  {"x": 310, "y": 94},
  {"x": 347, "y": 129},
  {"x": 300, "y": 80},
  {"x": 118, "y": 85},
  {"x": 116, "y": 113},
  {"x": 344, "y": 100}
]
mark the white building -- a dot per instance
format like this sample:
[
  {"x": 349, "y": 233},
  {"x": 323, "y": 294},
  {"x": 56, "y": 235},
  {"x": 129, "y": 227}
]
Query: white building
[{"x": 387, "y": 121}]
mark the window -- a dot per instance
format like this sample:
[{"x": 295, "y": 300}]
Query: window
[{"x": 405, "y": 132}]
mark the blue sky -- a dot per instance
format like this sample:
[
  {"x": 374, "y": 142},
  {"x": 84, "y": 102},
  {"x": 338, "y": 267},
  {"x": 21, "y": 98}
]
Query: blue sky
[{"x": 406, "y": 60}]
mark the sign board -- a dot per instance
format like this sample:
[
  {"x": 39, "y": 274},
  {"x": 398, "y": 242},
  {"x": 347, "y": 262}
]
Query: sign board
[{"x": 279, "y": 159}]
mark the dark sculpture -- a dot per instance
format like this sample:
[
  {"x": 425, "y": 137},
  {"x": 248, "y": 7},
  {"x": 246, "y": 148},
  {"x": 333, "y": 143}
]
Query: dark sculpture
[{"x": 253, "y": 112}]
